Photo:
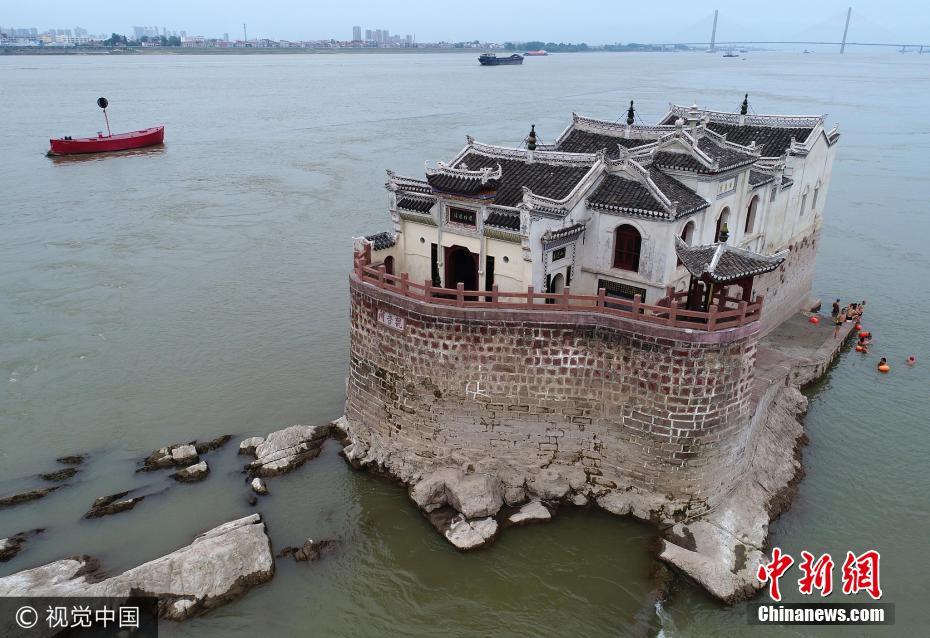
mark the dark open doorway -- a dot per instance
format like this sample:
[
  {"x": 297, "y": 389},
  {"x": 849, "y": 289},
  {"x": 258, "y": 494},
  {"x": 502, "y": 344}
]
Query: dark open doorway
[{"x": 461, "y": 267}]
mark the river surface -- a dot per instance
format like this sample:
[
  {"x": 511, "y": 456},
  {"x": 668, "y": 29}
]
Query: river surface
[{"x": 201, "y": 289}]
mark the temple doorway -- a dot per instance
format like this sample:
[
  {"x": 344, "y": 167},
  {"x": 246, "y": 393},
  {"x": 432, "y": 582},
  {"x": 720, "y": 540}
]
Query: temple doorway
[{"x": 461, "y": 267}]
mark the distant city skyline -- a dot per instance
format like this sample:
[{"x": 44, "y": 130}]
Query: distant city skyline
[{"x": 591, "y": 21}]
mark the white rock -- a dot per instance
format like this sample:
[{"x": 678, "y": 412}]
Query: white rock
[
  {"x": 192, "y": 473},
  {"x": 532, "y": 512},
  {"x": 258, "y": 486},
  {"x": 247, "y": 446},
  {"x": 184, "y": 454},
  {"x": 218, "y": 566},
  {"x": 466, "y": 534},
  {"x": 283, "y": 450}
]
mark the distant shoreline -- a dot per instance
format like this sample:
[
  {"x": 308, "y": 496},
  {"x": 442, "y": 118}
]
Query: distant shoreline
[{"x": 279, "y": 51}]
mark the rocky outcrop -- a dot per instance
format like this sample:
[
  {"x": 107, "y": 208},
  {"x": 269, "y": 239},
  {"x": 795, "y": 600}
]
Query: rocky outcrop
[
  {"x": 57, "y": 476},
  {"x": 258, "y": 486},
  {"x": 723, "y": 549},
  {"x": 29, "y": 495},
  {"x": 473, "y": 495},
  {"x": 193, "y": 473},
  {"x": 10, "y": 547},
  {"x": 286, "y": 449},
  {"x": 247, "y": 446},
  {"x": 112, "y": 504},
  {"x": 217, "y": 567},
  {"x": 174, "y": 455},
  {"x": 310, "y": 550}
]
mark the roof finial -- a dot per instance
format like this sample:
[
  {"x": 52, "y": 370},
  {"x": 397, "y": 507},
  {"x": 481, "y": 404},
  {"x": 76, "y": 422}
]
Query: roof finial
[
  {"x": 531, "y": 140},
  {"x": 630, "y": 113},
  {"x": 744, "y": 107}
]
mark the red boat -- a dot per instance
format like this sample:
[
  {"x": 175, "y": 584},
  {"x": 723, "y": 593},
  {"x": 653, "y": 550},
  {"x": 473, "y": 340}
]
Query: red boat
[
  {"x": 104, "y": 143},
  {"x": 109, "y": 142}
]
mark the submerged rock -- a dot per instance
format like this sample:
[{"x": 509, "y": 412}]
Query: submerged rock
[
  {"x": 29, "y": 495},
  {"x": 258, "y": 486},
  {"x": 196, "y": 472},
  {"x": 112, "y": 504},
  {"x": 10, "y": 547},
  {"x": 283, "y": 450},
  {"x": 532, "y": 512},
  {"x": 220, "y": 565},
  {"x": 74, "y": 459},
  {"x": 310, "y": 550},
  {"x": 247, "y": 446},
  {"x": 59, "y": 475},
  {"x": 213, "y": 444}
]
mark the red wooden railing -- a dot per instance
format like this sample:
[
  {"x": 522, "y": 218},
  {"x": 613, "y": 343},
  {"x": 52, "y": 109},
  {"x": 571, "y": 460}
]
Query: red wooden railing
[{"x": 725, "y": 312}]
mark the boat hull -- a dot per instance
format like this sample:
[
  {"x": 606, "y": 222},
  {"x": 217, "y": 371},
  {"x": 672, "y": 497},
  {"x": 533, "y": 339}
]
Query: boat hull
[
  {"x": 495, "y": 61},
  {"x": 105, "y": 144}
]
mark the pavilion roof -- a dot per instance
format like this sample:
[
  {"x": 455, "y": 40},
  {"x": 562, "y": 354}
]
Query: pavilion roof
[{"x": 722, "y": 263}]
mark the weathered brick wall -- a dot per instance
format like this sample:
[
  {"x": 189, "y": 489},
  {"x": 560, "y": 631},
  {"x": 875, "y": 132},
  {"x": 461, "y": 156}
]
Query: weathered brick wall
[
  {"x": 663, "y": 410},
  {"x": 787, "y": 289}
]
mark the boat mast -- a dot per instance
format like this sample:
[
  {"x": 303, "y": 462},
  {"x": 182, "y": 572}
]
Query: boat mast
[{"x": 102, "y": 103}]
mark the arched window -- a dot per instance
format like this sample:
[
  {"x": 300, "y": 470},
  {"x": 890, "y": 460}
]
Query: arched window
[
  {"x": 816, "y": 195},
  {"x": 751, "y": 215},
  {"x": 627, "y": 244},
  {"x": 804, "y": 201},
  {"x": 722, "y": 222},
  {"x": 389, "y": 265},
  {"x": 687, "y": 233}
]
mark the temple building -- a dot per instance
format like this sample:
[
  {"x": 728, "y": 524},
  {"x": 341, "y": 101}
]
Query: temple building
[{"x": 703, "y": 201}]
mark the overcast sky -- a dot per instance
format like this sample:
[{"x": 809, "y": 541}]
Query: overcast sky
[{"x": 592, "y": 21}]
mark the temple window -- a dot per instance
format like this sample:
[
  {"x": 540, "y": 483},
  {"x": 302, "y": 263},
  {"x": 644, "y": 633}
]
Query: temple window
[
  {"x": 803, "y": 203},
  {"x": 816, "y": 194},
  {"x": 722, "y": 222},
  {"x": 751, "y": 215},
  {"x": 627, "y": 244}
]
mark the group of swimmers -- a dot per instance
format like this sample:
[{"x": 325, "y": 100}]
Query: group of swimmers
[{"x": 852, "y": 312}]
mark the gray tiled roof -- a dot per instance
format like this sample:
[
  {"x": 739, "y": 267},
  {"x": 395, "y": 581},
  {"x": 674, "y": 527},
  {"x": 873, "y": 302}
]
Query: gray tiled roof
[
  {"x": 727, "y": 157},
  {"x": 578, "y": 141},
  {"x": 503, "y": 219},
  {"x": 723, "y": 263},
  {"x": 758, "y": 178},
  {"x": 416, "y": 204},
  {"x": 548, "y": 180},
  {"x": 626, "y": 195},
  {"x": 460, "y": 184},
  {"x": 774, "y": 140},
  {"x": 381, "y": 240}
]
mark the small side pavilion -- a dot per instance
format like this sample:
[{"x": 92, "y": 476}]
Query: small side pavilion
[{"x": 714, "y": 267}]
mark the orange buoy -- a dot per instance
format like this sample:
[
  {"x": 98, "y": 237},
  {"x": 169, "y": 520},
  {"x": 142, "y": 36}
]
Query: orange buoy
[
  {"x": 884, "y": 368},
  {"x": 859, "y": 348},
  {"x": 865, "y": 334},
  {"x": 911, "y": 360},
  {"x": 814, "y": 320},
  {"x": 858, "y": 326}
]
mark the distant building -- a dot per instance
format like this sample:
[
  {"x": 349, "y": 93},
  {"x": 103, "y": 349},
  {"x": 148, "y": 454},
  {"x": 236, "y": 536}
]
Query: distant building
[
  {"x": 226, "y": 37},
  {"x": 356, "y": 33},
  {"x": 369, "y": 36}
]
